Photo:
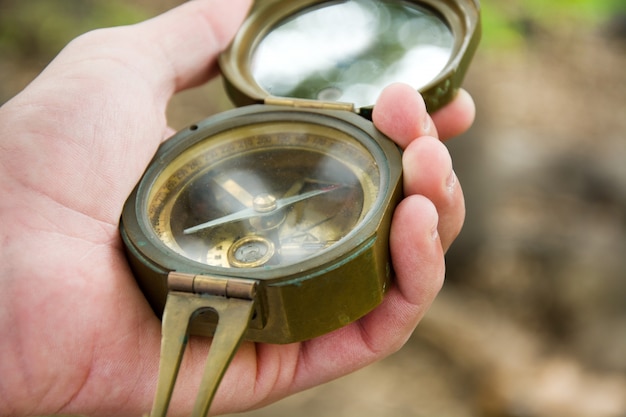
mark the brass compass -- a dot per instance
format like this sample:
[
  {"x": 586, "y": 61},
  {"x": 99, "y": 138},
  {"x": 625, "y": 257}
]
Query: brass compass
[{"x": 270, "y": 222}]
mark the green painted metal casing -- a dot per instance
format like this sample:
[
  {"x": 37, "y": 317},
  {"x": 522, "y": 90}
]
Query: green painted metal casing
[{"x": 295, "y": 302}]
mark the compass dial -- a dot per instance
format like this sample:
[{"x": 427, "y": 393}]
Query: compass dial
[{"x": 270, "y": 194}]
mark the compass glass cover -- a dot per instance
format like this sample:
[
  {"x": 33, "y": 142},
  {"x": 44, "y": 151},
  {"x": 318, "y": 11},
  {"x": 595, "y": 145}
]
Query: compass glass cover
[
  {"x": 272, "y": 194},
  {"x": 349, "y": 51}
]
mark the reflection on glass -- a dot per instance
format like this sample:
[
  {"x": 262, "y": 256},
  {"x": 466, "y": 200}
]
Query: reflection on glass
[
  {"x": 269, "y": 194},
  {"x": 305, "y": 214},
  {"x": 349, "y": 51}
]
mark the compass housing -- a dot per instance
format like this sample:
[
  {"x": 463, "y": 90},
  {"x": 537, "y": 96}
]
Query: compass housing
[{"x": 301, "y": 299}]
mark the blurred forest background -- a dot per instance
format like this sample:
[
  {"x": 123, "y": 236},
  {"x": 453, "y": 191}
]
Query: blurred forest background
[{"x": 532, "y": 319}]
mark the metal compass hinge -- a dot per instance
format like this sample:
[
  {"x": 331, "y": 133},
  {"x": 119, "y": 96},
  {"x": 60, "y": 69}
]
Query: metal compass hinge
[
  {"x": 204, "y": 284},
  {"x": 309, "y": 104},
  {"x": 233, "y": 300}
]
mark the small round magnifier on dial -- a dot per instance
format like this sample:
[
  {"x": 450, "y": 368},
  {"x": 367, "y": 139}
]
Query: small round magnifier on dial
[{"x": 270, "y": 222}]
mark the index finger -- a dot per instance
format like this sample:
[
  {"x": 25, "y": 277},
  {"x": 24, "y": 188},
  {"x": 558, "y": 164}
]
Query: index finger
[{"x": 455, "y": 118}]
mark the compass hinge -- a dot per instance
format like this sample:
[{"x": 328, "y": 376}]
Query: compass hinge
[
  {"x": 206, "y": 284},
  {"x": 308, "y": 104}
]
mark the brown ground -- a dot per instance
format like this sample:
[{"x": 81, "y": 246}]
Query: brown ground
[{"x": 532, "y": 319}]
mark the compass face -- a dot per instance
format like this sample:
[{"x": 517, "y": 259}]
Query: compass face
[{"x": 263, "y": 195}]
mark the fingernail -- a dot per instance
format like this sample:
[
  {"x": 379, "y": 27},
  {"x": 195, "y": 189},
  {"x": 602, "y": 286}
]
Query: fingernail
[
  {"x": 434, "y": 232},
  {"x": 451, "y": 180},
  {"x": 427, "y": 124}
]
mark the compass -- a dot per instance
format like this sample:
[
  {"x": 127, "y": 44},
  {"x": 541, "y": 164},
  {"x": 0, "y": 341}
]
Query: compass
[{"x": 270, "y": 222}]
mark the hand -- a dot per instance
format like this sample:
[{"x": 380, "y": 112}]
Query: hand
[{"x": 77, "y": 334}]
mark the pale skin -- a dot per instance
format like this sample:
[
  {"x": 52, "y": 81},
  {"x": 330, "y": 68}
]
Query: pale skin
[{"x": 77, "y": 334}]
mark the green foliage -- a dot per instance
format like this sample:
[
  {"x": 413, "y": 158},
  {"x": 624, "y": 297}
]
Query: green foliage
[
  {"x": 585, "y": 11},
  {"x": 506, "y": 22},
  {"x": 498, "y": 28},
  {"x": 40, "y": 28}
]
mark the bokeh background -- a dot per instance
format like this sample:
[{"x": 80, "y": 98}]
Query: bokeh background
[{"x": 532, "y": 319}]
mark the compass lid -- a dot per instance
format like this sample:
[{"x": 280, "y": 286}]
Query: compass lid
[{"x": 343, "y": 53}]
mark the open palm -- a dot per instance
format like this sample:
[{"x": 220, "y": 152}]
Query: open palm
[{"x": 77, "y": 334}]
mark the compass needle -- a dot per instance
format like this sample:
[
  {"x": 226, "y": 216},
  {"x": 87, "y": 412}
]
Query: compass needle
[
  {"x": 240, "y": 215},
  {"x": 256, "y": 212}
]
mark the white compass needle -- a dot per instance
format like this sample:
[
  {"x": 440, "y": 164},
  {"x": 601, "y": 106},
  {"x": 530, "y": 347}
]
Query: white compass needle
[
  {"x": 287, "y": 201},
  {"x": 249, "y": 213}
]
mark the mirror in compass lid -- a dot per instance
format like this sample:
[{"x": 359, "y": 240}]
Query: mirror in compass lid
[{"x": 349, "y": 51}]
